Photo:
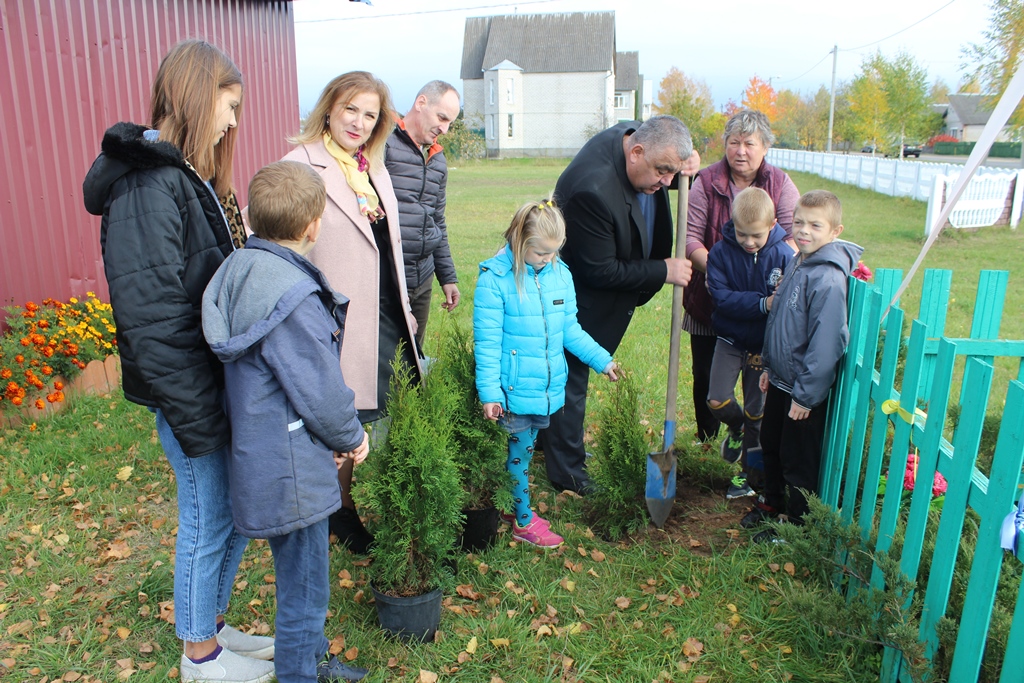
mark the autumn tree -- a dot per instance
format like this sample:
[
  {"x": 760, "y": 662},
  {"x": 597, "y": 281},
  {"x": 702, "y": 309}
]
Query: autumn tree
[
  {"x": 992, "y": 64},
  {"x": 939, "y": 94},
  {"x": 868, "y": 107},
  {"x": 889, "y": 99},
  {"x": 760, "y": 96},
  {"x": 690, "y": 101}
]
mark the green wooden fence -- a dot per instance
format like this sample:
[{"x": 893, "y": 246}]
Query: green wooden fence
[{"x": 912, "y": 392}]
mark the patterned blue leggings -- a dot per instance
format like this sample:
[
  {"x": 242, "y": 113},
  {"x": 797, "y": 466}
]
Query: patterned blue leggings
[{"x": 520, "y": 451}]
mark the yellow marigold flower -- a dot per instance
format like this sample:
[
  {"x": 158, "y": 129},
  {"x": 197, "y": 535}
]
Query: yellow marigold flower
[{"x": 73, "y": 300}]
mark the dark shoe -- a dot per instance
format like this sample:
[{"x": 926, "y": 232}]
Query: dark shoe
[
  {"x": 346, "y": 525},
  {"x": 732, "y": 447},
  {"x": 331, "y": 670},
  {"x": 739, "y": 488},
  {"x": 768, "y": 536},
  {"x": 580, "y": 488},
  {"x": 760, "y": 513}
]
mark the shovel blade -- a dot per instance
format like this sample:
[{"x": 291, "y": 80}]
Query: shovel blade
[{"x": 660, "y": 492}]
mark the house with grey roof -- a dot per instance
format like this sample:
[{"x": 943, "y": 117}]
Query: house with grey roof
[
  {"x": 543, "y": 84},
  {"x": 966, "y": 116}
]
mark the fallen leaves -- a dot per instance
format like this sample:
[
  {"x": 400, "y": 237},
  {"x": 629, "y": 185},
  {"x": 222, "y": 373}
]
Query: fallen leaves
[
  {"x": 623, "y": 602},
  {"x": 426, "y": 677},
  {"x": 692, "y": 649}
]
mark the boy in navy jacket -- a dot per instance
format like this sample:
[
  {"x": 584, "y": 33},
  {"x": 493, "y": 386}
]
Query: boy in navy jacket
[
  {"x": 742, "y": 272},
  {"x": 275, "y": 323}
]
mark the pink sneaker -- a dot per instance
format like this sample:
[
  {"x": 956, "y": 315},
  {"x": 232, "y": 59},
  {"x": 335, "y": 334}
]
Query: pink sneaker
[
  {"x": 510, "y": 519},
  {"x": 536, "y": 533}
]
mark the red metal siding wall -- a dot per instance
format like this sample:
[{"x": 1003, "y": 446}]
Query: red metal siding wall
[{"x": 70, "y": 69}]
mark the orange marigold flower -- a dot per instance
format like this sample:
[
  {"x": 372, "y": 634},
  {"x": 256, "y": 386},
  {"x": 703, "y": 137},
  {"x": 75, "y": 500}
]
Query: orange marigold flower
[
  {"x": 48, "y": 352},
  {"x": 25, "y": 341},
  {"x": 43, "y": 324},
  {"x": 32, "y": 427},
  {"x": 38, "y": 339},
  {"x": 34, "y": 362},
  {"x": 58, "y": 385},
  {"x": 28, "y": 314},
  {"x": 47, "y": 370},
  {"x": 16, "y": 400},
  {"x": 19, "y": 359},
  {"x": 40, "y": 403},
  {"x": 31, "y": 306},
  {"x": 6, "y": 373},
  {"x": 73, "y": 348},
  {"x": 60, "y": 396}
]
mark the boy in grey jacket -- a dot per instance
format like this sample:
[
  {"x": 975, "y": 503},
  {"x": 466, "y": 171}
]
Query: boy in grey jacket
[
  {"x": 805, "y": 338},
  {"x": 277, "y": 326}
]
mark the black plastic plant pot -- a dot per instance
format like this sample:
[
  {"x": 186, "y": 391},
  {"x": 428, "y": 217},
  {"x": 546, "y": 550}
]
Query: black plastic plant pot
[
  {"x": 409, "y": 618},
  {"x": 481, "y": 529}
]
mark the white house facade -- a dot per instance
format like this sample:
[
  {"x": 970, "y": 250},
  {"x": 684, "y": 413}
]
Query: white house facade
[{"x": 542, "y": 84}]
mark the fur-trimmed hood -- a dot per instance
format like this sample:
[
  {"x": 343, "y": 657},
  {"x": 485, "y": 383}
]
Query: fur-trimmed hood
[{"x": 124, "y": 149}]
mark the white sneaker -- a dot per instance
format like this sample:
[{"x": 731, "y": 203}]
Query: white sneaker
[
  {"x": 228, "y": 667},
  {"x": 257, "y": 647}
]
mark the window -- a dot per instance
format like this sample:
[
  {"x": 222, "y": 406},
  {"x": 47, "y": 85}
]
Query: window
[
  {"x": 511, "y": 89},
  {"x": 620, "y": 100},
  {"x": 510, "y": 125},
  {"x": 490, "y": 126},
  {"x": 491, "y": 90}
]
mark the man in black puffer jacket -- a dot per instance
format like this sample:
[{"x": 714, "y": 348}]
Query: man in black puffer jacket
[{"x": 419, "y": 173}]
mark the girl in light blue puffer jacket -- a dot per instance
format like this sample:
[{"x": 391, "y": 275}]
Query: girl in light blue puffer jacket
[{"x": 524, "y": 318}]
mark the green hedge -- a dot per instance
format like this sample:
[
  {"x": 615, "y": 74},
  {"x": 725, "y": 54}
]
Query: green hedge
[{"x": 1007, "y": 150}]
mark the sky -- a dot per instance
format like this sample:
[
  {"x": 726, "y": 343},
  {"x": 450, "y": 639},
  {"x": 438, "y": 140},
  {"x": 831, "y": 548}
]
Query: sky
[{"x": 409, "y": 42}]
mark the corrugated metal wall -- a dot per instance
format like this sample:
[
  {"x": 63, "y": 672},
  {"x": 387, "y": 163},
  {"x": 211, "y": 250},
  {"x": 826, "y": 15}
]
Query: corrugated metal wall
[{"x": 70, "y": 69}]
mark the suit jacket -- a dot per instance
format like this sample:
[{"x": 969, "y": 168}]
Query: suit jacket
[
  {"x": 347, "y": 254},
  {"x": 606, "y": 237}
]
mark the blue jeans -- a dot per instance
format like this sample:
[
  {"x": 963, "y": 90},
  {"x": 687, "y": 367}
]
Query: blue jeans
[
  {"x": 208, "y": 548},
  {"x": 302, "y": 567}
]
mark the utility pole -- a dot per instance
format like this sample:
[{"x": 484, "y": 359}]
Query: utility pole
[{"x": 832, "y": 104}]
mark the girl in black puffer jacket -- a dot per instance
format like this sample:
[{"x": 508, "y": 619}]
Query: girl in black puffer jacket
[{"x": 163, "y": 235}]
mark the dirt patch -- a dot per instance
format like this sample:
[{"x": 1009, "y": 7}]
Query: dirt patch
[{"x": 703, "y": 521}]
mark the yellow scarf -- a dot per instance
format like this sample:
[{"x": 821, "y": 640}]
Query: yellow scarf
[{"x": 355, "y": 170}]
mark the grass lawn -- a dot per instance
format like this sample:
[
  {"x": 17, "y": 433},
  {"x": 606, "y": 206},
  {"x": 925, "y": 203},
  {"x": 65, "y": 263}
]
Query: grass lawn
[{"x": 87, "y": 517}]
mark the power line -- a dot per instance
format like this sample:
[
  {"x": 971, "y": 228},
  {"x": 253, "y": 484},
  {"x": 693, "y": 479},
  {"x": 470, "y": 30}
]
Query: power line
[
  {"x": 861, "y": 47},
  {"x": 426, "y": 11},
  {"x": 796, "y": 78}
]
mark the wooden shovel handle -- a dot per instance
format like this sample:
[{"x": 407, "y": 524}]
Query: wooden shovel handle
[{"x": 682, "y": 206}]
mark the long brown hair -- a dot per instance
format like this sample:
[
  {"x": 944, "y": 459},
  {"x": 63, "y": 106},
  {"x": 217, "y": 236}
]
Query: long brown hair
[
  {"x": 344, "y": 88},
  {"x": 185, "y": 93}
]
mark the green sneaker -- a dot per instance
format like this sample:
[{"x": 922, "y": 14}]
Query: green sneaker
[
  {"x": 739, "y": 488},
  {"x": 732, "y": 447}
]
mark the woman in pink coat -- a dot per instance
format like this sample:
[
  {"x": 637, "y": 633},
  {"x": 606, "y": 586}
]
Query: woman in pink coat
[{"x": 359, "y": 250}]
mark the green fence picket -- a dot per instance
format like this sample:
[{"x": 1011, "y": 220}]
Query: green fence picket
[
  {"x": 881, "y": 391},
  {"x": 984, "y": 576},
  {"x": 903, "y": 419},
  {"x": 1013, "y": 661},
  {"x": 977, "y": 383},
  {"x": 934, "y": 306}
]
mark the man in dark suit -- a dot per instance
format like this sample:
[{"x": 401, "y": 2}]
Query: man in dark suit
[{"x": 618, "y": 247}]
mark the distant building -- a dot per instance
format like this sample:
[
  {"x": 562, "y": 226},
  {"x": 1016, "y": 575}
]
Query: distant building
[
  {"x": 543, "y": 84},
  {"x": 966, "y": 116}
]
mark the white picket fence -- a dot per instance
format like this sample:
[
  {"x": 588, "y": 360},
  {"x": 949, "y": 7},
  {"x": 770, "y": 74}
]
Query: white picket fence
[{"x": 981, "y": 206}]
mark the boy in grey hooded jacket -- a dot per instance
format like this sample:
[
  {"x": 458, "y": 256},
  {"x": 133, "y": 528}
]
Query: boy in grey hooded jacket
[
  {"x": 273, "y": 320},
  {"x": 805, "y": 338}
]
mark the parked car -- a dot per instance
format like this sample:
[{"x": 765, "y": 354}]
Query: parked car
[
  {"x": 868, "y": 149},
  {"x": 909, "y": 151}
]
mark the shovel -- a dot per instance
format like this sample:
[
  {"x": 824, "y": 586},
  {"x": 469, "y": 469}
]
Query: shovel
[{"x": 661, "y": 467}]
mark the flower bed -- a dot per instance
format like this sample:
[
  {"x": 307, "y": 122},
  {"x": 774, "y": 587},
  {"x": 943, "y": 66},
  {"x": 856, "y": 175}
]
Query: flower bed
[{"x": 52, "y": 349}]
